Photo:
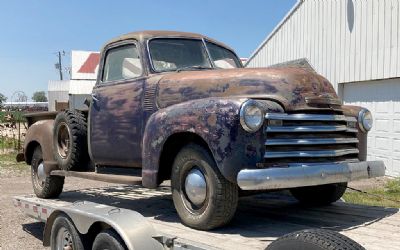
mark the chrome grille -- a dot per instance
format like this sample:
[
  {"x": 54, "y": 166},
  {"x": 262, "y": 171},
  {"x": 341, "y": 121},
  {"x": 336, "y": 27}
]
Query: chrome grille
[{"x": 293, "y": 139}]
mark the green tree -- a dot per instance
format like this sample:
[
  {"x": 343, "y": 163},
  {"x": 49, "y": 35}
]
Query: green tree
[
  {"x": 39, "y": 96},
  {"x": 3, "y": 99}
]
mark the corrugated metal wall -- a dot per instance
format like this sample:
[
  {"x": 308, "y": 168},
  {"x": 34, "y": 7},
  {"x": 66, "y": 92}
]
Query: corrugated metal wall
[
  {"x": 57, "y": 91},
  {"x": 344, "y": 40}
]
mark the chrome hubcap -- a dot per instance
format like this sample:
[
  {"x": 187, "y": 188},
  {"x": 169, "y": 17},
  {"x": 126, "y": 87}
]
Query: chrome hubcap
[
  {"x": 196, "y": 187},
  {"x": 41, "y": 175}
]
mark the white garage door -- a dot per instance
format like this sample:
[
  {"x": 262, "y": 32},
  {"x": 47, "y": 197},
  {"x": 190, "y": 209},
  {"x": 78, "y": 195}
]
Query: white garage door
[{"x": 382, "y": 98}]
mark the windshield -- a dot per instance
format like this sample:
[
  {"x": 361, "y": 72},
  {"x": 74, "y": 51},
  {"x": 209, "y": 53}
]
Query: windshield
[
  {"x": 170, "y": 54},
  {"x": 222, "y": 57},
  {"x": 177, "y": 54}
]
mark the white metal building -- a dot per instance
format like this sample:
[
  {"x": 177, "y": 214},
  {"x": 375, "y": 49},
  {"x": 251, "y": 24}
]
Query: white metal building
[
  {"x": 84, "y": 67},
  {"x": 356, "y": 45}
]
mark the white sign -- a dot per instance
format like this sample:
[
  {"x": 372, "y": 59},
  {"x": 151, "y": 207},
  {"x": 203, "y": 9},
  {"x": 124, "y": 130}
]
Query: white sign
[{"x": 84, "y": 65}]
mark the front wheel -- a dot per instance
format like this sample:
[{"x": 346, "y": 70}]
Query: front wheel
[
  {"x": 44, "y": 186},
  {"x": 203, "y": 198},
  {"x": 319, "y": 195}
]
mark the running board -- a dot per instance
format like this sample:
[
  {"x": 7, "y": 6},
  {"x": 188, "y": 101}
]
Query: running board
[{"x": 112, "y": 178}]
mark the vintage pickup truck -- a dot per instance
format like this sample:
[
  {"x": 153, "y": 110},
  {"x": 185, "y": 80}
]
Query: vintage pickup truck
[{"x": 181, "y": 107}]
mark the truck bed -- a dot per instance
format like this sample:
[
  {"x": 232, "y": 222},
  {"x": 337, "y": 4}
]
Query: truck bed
[{"x": 259, "y": 220}]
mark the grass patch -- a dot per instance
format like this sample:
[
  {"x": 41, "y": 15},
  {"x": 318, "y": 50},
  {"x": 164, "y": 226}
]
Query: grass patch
[
  {"x": 391, "y": 191},
  {"x": 6, "y": 142},
  {"x": 18, "y": 116},
  {"x": 8, "y": 163}
]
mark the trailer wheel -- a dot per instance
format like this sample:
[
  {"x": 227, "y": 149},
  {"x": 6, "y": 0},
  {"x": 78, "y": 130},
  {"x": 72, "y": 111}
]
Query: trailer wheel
[
  {"x": 70, "y": 140},
  {"x": 64, "y": 235},
  {"x": 314, "y": 239},
  {"x": 319, "y": 195},
  {"x": 44, "y": 186},
  {"x": 108, "y": 239},
  {"x": 203, "y": 198}
]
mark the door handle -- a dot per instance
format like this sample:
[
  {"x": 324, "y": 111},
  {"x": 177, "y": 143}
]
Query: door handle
[{"x": 94, "y": 98}]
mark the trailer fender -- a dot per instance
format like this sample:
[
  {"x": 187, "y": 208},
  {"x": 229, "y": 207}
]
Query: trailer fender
[{"x": 133, "y": 228}]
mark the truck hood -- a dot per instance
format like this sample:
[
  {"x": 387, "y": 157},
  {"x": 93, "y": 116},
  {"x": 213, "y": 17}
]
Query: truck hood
[{"x": 294, "y": 88}]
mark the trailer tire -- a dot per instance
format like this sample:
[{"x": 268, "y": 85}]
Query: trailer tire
[
  {"x": 64, "y": 235},
  {"x": 218, "y": 197},
  {"x": 108, "y": 239},
  {"x": 319, "y": 195},
  {"x": 70, "y": 140},
  {"x": 44, "y": 186},
  {"x": 314, "y": 239}
]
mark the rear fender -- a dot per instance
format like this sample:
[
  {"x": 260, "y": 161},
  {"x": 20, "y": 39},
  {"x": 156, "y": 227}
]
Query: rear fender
[{"x": 40, "y": 134}]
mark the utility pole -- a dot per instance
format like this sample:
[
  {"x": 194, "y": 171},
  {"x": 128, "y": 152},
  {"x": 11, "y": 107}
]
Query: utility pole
[{"x": 60, "y": 65}]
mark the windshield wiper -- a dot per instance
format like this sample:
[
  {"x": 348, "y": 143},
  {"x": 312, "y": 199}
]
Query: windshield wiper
[{"x": 193, "y": 67}]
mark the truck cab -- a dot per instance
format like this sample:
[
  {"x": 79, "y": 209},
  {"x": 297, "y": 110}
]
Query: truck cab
[{"x": 180, "y": 106}]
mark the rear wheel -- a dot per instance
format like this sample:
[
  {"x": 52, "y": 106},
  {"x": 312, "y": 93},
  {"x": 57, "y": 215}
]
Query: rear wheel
[
  {"x": 65, "y": 236},
  {"x": 108, "y": 240},
  {"x": 319, "y": 195},
  {"x": 44, "y": 186},
  {"x": 70, "y": 140},
  {"x": 203, "y": 198}
]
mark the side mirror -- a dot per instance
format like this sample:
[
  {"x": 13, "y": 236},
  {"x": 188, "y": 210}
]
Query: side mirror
[{"x": 88, "y": 100}]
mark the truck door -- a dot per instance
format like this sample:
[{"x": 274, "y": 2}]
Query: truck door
[{"x": 115, "y": 116}]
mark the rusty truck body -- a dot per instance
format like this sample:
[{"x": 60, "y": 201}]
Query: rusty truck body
[{"x": 181, "y": 107}]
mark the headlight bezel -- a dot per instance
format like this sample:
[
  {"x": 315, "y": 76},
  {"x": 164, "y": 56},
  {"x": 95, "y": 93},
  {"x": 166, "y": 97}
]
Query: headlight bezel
[
  {"x": 250, "y": 103},
  {"x": 363, "y": 124}
]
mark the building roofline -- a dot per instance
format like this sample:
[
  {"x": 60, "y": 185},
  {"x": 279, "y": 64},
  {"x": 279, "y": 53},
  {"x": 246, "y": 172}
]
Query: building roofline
[{"x": 275, "y": 30}]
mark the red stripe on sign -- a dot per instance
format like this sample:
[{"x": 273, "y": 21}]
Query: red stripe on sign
[
  {"x": 90, "y": 64},
  {"x": 26, "y": 205},
  {"x": 44, "y": 211},
  {"x": 35, "y": 209}
]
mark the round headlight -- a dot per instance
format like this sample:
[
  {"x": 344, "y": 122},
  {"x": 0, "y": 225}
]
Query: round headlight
[
  {"x": 251, "y": 116},
  {"x": 365, "y": 120}
]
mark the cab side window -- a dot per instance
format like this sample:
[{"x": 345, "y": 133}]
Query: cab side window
[{"x": 122, "y": 63}]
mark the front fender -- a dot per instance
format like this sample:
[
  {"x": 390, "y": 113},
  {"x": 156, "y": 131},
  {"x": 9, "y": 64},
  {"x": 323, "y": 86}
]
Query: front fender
[
  {"x": 216, "y": 120},
  {"x": 41, "y": 133}
]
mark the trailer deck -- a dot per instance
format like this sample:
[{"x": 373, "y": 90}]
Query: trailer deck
[{"x": 259, "y": 220}]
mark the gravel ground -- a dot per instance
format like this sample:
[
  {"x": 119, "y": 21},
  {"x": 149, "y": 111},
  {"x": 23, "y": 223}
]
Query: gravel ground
[
  {"x": 16, "y": 230},
  {"x": 20, "y": 232}
]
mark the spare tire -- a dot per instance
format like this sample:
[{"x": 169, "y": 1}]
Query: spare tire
[
  {"x": 314, "y": 239},
  {"x": 70, "y": 140}
]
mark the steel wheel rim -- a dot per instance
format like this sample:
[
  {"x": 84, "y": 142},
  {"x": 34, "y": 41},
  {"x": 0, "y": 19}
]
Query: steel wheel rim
[
  {"x": 64, "y": 239},
  {"x": 63, "y": 140}
]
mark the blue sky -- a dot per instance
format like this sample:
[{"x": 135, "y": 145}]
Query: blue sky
[{"x": 33, "y": 30}]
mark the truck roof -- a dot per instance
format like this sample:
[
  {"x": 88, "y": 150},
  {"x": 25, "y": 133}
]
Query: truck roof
[{"x": 149, "y": 34}]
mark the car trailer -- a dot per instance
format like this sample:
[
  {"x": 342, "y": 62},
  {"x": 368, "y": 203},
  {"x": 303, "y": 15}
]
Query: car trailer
[
  {"x": 274, "y": 221},
  {"x": 88, "y": 225}
]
